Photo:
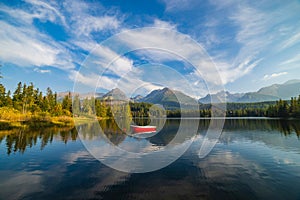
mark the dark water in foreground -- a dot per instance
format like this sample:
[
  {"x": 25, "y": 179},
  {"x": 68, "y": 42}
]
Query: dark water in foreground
[{"x": 254, "y": 158}]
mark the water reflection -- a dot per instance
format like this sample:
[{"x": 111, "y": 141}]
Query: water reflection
[
  {"x": 284, "y": 126},
  {"x": 135, "y": 154},
  {"x": 254, "y": 159},
  {"x": 17, "y": 140}
]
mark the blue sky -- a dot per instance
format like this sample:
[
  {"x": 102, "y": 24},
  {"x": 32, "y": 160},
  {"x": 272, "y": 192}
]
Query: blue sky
[{"x": 252, "y": 43}]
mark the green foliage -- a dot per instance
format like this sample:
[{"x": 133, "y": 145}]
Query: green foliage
[
  {"x": 2, "y": 95},
  {"x": 0, "y": 73},
  {"x": 9, "y": 114},
  {"x": 101, "y": 108},
  {"x": 28, "y": 102},
  {"x": 19, "y": 140},
  {"x": 76, "y": 105},
  {"x": 285, "y": 109},
  {"x": 67, "y": 103},
  {"x": 281, "y": 109}
]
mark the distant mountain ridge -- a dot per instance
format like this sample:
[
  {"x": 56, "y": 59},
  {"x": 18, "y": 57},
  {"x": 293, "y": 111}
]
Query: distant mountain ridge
[
  {"x": 137, "y": 98},
  {"x": 115, "y": 94},
  {"x": 169, "y": 98},
  {"x": 88, "y": 95},
  {"x": 222, "y": 96},
  {"x": 273, "y": 92}
]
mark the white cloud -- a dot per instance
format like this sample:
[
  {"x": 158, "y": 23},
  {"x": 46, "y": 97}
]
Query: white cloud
[
  {"x": 166, "y": 41},
  {"x": 93, "y": 24},
  {"x": 45, "y": 11},
  {"x": 42, "y": 71},
  {"x": 254, "y": 35},
  {"x": 252, "y": 23},
  {"x": 38, "y": 10},
  {"x": 86, "y": 80},
  {"x": 221, "y": 5},
  {"x": 163, "y": 24},
  {"x": 18, "y": 14},
  {"x": 24, "y": 45},
  {"x": 175, "y": 5},
  {"x": 83, "y": 23},
  {"x": 21, "y": 46},
  {"x": 91, "y": 78},
  {"x": 294, "y": 60},
  {"x": 294, "y": 39},
  {"x": 231, "y": 73},
  {"x": 274, "y": 75},
  {"x": 258, "y": 35},
  {"x": 159, "y": 45},
  {"x": 254, "y": 38},
  {"x": 107, "y": 60}
]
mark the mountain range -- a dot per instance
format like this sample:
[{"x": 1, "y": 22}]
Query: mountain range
[
  {"x": 88, "y": 95},
  {"x": 219, "y": 97},
  {"x": 170, "y": 98},
  {"x": 115, "y": 94},
  {"x": 274, "y": 92}
]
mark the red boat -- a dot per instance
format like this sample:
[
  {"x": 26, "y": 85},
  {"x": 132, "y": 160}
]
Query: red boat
[{"x": 143, "y": 129}]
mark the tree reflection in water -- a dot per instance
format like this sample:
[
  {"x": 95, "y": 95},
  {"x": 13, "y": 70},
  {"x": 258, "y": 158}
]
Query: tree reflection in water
[{"x": 17, "y": 140}]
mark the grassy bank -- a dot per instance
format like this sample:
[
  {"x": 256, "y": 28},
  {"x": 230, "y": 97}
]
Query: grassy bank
[{"x": 11, "y": 118}]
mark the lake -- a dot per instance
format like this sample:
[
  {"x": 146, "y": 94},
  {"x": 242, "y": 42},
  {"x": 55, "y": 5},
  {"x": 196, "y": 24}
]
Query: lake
[{"x": 253, "y": 159}]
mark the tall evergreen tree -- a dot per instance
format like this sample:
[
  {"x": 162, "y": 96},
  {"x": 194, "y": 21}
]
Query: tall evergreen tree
[
  {"x": 86, "y": 107},
  {"x": 2, "y": 95},
  {"x": 100, "y": 108},
  {"x": 51, "y": 99},
  {"x": 76, "y": 105},
  {"x": 17, "y": 97},
  {"x": 9, "y": 102},
  {"x": 67, "y": 103}
]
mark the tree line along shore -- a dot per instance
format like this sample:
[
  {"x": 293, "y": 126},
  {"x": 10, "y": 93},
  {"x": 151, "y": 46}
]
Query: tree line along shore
[{"x": 27, "y": 105}]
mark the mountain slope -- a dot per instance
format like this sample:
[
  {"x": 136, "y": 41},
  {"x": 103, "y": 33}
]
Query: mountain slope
[
  {"x": 256, "y": 97},
  {"x": 115, "y": 94},
  {"x": 219, "y": 97},
  {"x": 169, "y": 98},
  {"x": 137, "y": 98},
  {"x": 88, "y": 95},
  {"x": 274, "y": 92}
]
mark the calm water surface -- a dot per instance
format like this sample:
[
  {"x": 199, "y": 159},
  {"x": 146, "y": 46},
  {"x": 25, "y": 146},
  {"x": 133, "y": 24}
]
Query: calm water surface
[{"x": 254, "y": 159}]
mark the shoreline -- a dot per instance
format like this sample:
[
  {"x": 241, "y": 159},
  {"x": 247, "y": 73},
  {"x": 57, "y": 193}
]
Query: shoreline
[
  {"x": 67, "y": 121},
  {"x": 37, "y": 122},
  {"x": 34, "y": 122}
]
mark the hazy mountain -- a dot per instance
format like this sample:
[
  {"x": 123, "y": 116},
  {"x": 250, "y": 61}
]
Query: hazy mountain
[
  {"x": 115, "y": 94},
  {"x": 219, "y": 97},
  {"x": 168, "y": 98},
  {"x": 256, "y": 97},
  {"x": 274, "y": 92},
  {"x": 88, "y": 95},
  {"x": 136, "y": 98}
]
